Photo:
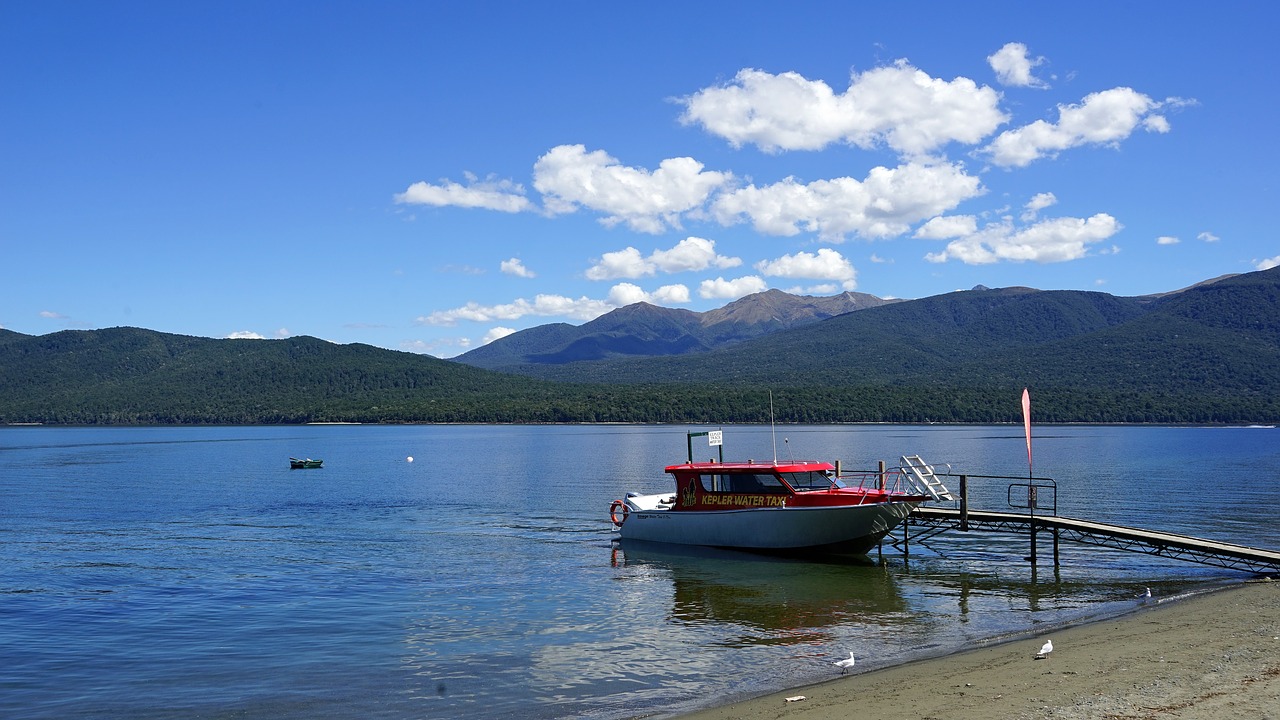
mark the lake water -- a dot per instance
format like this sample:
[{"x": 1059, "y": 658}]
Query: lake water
[{"x": 188, "y": 572}]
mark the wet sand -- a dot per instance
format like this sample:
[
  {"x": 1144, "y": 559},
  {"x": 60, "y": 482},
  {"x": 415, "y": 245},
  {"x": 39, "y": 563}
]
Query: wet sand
[{"x": 1212, "y": 656}]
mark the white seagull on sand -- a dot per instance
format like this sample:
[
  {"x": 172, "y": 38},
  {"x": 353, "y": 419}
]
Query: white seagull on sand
[
  {"x": 844, "y": 665},
  {"x": 1045, "y": 649},
  {"x": 1146, "y": 595}
]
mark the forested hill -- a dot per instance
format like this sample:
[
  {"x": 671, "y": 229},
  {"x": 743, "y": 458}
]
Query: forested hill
[
  {"x": 130, "y": 375},
  {"x": 1209, "y": 354}
]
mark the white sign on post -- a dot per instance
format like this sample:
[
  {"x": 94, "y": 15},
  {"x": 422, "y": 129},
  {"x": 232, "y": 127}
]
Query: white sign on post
[{"x": 715, "y": 437}]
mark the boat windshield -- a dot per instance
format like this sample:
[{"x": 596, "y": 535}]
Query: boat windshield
[
  {"x": 742, "y": 483},
  {"x": 811, "y": 480}
]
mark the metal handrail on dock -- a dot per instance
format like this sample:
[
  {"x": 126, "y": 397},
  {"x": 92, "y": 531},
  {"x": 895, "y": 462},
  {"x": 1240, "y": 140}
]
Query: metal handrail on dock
[{"x": 1038, "y": 498}]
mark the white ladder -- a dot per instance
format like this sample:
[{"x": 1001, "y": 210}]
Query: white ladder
[{"x": 920, "y": 476}]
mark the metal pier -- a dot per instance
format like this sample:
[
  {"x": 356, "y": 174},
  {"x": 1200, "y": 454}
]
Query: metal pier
[
  {"x": 926, "y": 522},
  {"x": 1036, "y": 500}
]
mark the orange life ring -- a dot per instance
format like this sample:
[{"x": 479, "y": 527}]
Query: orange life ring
[{"x": 613, "y": 512}]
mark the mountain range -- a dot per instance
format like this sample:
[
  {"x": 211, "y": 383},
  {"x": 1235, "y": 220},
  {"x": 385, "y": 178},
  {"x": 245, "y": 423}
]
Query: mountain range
[
  {"x": 1209, "y": 353},
  {"x": 644, "y": 330}
]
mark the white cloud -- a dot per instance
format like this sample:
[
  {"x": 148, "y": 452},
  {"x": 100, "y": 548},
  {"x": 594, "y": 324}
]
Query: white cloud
[
  {"x": 898, "y": 106},
  {"x": 721, "y": 289},
  {"x": 877, "y": 259},
  {"x": 670, "y": 295},
  {"x": 826, "y": 264},
  {"x": 626, "y": 263},
  {"x": 440, "y": 347},
  {"x": 542, "y": 305},
  {"x": 1056, "y": 240},
  {"x": 886, "y": 204},
  {"x": 1103, "y": 118},
  {"x": 1208, "y": 237},
  {"x": 628, "y": 294},
  {"x": 515, "y": 267},
  {"x": 951, "y": 226},
  {"x": 51, "y": 315},
  {"x": 1037, "y": 203},
  {"x": 1013, "y": 67},
  {"x": 282, "y": 333},
  {"x": 569, "y": 177},
  {"x": 496, "y": 333},
  {"x": 1268, "y": 263},
  {"x": 1167, "y": 240},
  {"x": 624, "y": 294},
  {"x": 692, "y": 253},
  {"x": 823, "y": 289},
  {"x": 245, "y": 335},
  {"x": 500, "y": 195}
]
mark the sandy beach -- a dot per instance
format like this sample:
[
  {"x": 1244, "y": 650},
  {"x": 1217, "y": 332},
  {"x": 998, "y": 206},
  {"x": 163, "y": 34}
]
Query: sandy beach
[{"x": 1215, "y": 655}]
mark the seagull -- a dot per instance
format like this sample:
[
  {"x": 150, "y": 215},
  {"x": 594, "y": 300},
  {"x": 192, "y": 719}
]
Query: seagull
[
  {"x": 1146, "y": 595},
  {"x": 1045, "y": 649},
  {"x": 844, "y": 665}
]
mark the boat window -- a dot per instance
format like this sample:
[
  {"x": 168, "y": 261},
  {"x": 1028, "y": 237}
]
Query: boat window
[
  {"x": 754, "y": 483},
  {"x": 812, "y": 480}
]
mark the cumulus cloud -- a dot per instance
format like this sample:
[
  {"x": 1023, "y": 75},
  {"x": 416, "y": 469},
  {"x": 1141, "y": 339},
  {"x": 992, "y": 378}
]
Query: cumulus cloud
[
  {"x": 1167, "y": 240},
  {"x": 51, "y": 315},
  {"x": 951, "y": 226},
  {"x": 496, "y": 333},
  {"x": 1055, "y": 240},
  {"x": 515, "y": 267},
  {"x": 1103, "y": 118},
  {"x": 625, "y": 263},
  {"x": 897, "y": 106},
  {"x": 569, "y": 177},
  {"x": 886, "y": 204},
  {"x": 246, "y": 335},
  {"x": 1208, "y": 237},
  {"x": 490, "y": 194},
  {"x": 690, "y": 254},
  {"x": 628, "y": 294},
  {"x": 1268, "y": 263},
  {"x": 1037, "y": 203},
  {"x": 543, "y": 305},
  {"x": 721, "y": 289},
  {"x": 1013, "y": 67},
  {"x": 826, "y": 264}
]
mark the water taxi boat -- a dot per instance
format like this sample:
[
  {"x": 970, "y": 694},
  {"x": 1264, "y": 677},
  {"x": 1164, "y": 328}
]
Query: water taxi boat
[
  {"x": 793, "y": 506},
  {"x": 297, "y": 463}
]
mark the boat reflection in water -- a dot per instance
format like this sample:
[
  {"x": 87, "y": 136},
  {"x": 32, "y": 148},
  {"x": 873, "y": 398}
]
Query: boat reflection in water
[{"x": 774, "y": 600}]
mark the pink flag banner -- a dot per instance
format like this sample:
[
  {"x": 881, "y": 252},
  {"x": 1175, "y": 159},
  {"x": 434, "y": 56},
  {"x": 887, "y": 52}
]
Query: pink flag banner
[{"x": 1026, "y": 422}]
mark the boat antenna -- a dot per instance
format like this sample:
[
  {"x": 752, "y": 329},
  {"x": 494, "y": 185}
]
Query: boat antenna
[{"x": 773, "y": 430}]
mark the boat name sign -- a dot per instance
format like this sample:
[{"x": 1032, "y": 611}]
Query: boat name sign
[{"x": 745, "y": 500}]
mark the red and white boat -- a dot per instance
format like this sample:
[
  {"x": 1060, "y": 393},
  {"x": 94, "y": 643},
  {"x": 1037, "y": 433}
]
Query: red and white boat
[{"x": 777, "y": 506}]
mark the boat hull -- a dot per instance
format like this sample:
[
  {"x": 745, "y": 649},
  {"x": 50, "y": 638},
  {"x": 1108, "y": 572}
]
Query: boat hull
[{"x": 851, "y": 529}]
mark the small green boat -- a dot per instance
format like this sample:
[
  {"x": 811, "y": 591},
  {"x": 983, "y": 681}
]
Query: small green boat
[{"x": 296, "y": 463}]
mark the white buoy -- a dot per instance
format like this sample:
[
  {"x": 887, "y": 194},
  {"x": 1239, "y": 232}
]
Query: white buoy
[{"x": 409, "y": 459}]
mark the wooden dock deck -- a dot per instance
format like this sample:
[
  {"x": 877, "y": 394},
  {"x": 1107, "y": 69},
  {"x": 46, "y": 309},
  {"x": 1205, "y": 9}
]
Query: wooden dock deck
[{"x": 926, "y": 522}]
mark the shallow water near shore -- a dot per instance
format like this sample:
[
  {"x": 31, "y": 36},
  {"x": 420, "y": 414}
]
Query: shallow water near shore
[{"x": 182, "y": 572}]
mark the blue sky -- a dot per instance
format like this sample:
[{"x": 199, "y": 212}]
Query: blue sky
[{"x": 430, "y": 176}]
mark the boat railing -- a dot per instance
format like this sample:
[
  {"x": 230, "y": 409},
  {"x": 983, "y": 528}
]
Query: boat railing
[{"x": 894, "y": 481}]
